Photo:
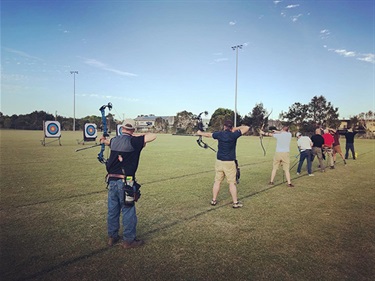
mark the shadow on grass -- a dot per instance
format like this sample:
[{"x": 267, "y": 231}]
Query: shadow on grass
[
  {"x": 165, "y": 227},
  {"x": 105, "y": 190}
]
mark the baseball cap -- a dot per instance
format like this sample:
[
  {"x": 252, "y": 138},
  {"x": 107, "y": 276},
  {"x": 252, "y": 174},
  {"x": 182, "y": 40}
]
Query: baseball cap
[
  {"x": 228, "y": 124},
  {"x": 298, "y": 134},
  {"x": 128, "y": 124}
]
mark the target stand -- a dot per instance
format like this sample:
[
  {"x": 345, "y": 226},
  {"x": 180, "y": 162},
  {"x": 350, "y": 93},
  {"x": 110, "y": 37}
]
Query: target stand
[
  {"x": 90, "y": 133},
  {"x": 52, "y": 129}
]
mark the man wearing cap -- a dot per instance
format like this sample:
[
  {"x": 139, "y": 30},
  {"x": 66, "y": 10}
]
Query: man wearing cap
[
  {"x": 283, "y": 139},
  {"x": 123, "y": 190},
  {"x": 304, "y": 145},
  {"x": 225, "y": 165}
]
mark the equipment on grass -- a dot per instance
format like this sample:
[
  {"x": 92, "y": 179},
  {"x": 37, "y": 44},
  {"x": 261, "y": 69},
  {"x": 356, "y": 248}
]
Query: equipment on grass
[{"x": 52, "y": 129}]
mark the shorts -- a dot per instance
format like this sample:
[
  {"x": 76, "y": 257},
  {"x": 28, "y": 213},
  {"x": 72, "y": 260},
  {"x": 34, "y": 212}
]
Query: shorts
[
  {"x": 225, "y": 169},
  {"x": 337, "y": 149},
  {"x": 281, "y": 158}
]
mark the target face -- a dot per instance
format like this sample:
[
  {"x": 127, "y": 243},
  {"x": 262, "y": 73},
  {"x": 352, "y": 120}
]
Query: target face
[
  {"x": 119, "y": 130},
  {"x": 52, "y": 129},
  {"x": 90, "y": 131}
]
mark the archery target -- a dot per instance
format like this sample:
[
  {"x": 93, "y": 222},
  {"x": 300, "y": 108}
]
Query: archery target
[
  {"x": 119, "y": 130},
  {"x": 90, "y": 131},
  {"x": 52, "y": 129}
]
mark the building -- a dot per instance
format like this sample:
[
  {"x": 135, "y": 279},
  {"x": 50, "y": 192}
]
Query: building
[{"x": 147, "y": 122}]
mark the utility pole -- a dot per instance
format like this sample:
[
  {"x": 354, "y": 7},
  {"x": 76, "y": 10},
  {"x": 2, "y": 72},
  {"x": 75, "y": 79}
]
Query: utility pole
[
  {"x": 74, "y": 99},
  {"x": 235, "y": 48}
]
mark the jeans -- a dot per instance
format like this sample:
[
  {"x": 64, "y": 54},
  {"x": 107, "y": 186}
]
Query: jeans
[
  {"x": 116, "y": 206},
  {"x": 349, "y": 146},
  {"x": 306, "y": 154}
]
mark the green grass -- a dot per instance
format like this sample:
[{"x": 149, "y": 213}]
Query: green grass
[{"x": 53, "y": 215}]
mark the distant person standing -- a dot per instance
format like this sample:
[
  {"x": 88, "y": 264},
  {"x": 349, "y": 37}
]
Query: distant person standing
[
  {"x": 336, "y": 145},
  {"x": 317, "y": 151},
  {"x": 225, "y": 165},
  {"x": 281, "y": 157},
  {"x": 304, "y": 145},
  {"x": 328, "y": 147},
  {"x": 349, "y": 136}
]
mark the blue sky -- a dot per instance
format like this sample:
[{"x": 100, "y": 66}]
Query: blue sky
[{"x": 163, "y": 57}]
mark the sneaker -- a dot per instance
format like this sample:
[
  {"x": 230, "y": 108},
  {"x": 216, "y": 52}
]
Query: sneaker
[
  {"x": 213, "y": 202},
  {"x": 344, "y": 162},
  {"x": 271, "y": 183},
  {"x": 113, "y": 240},
  {"x": 238, "y": 204},
  {"x": 332, "y": 167},
  {"x": 298, "y": 174},
  {"x": 134, "y": 244},
  {"x": 290, "y": 185},
  {"x": 311, "y": 175}
]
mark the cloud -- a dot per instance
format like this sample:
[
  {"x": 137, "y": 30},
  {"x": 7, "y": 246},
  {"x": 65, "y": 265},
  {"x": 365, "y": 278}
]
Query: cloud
[
  {"x": 277, "y": 2},
  {"x": 232, "y": 23},
  {"x": 103, "y": 66},
  {"x": 295, "y": 18},
  {"x": 344, "y": 53},
  {"x": 351, "y": 54},
  {"x": 367, "y": 58},
  {"x": 21, "y": 54},
  {"x": 109, "y": 97},
  {"x": 221, "y": 59},
  {"x": 292, "y": 6},
  {"x": 324, "y": 33}
]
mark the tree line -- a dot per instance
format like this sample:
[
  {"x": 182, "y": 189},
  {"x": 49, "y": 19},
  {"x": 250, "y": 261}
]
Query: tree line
[
  {"x": 300, "y": 117},
  {"x": 304, "y": 118}
]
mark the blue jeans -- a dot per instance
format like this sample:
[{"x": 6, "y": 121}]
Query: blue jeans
[
  {"x": 306, "y": 154},
  {"x": 349, "y": 146},
  {"x": 116, "y": 206}
]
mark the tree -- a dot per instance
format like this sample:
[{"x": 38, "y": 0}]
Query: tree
[
  {"x": 257, "y": 119},
  {"x": 184, "y": 122},
  {"x": 220, "y": 116},
  {"x": 306, "y": 117},
  {"x": 161, "y": 125}
]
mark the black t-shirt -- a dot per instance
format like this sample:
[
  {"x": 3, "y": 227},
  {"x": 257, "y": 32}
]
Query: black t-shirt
[
  {"x": 350, "y": 137},
  {"x": 125, "y": 153},
  {"x": 317, "y": 140}
]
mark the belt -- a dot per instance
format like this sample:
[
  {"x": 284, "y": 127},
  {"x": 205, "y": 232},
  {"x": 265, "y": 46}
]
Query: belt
[{"x": 117, "y": 176}]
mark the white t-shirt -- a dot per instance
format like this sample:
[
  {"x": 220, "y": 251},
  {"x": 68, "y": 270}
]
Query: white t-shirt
[{"x": 304, "y": 143}]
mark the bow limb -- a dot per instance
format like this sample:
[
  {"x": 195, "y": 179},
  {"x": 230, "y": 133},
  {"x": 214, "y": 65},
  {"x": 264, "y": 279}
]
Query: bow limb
[
  {"x": 200, "y": 126},
  {"x": 260, "y": 134},
  {"x": 261, "y": 143},
  {"x": 101, "y": 158}
]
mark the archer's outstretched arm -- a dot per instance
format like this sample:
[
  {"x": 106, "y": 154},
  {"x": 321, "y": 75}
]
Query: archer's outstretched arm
[
  {"x": 244, "y": 129},
  {"x": 204, "y": 134}
]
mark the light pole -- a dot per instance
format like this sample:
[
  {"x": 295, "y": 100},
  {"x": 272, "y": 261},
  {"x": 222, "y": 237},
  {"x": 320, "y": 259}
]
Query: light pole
[
  {"x": 74, "y": 99},
  {"x": 235, "y": 48}
]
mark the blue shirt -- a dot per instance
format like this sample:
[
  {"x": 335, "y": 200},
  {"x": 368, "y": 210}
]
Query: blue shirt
[{"x": 227, "y": 144}]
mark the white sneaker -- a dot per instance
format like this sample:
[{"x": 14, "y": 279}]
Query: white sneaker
[
  {"x": 311, "y": 175},
  {"x": 298, "y": 174}
]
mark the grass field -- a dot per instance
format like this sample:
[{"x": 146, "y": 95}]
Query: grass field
[{"x": 53, "y": 215}]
